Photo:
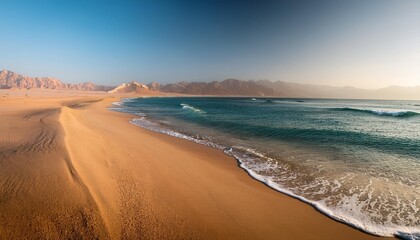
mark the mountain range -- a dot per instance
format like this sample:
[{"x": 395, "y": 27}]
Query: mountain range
[
  {"x": 9, "y": 79},
  {"x": 228, "y": 87},
  {"x": 236, "y": 87}
]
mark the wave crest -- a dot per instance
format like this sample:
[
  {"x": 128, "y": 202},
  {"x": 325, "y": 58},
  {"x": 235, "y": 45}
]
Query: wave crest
[
  {"x": 189, "y": 107},
  {"x": 379, "y": 112}
]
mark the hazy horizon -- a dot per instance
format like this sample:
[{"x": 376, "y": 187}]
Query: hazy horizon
[
  {"x": 220, "y": 80},
  {"x": 364, "y": 44}
]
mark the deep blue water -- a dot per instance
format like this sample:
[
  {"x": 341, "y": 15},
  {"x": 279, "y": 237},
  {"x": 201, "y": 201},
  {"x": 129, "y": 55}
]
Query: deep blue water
[{"x": 356, "y": 160}]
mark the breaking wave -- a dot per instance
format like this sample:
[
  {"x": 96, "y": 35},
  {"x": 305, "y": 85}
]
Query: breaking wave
[
  {"x": 189, "y": 107},
  {"x": 380, "y": 112}
]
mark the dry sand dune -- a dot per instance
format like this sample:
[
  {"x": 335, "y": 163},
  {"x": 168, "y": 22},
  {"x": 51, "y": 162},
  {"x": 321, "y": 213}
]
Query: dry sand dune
[
  {"x": 72, "y": 169},
  {"x": 42, "y": 194}
]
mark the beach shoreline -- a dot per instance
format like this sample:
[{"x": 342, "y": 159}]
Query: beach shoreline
[{"x": 122, "y": 181}]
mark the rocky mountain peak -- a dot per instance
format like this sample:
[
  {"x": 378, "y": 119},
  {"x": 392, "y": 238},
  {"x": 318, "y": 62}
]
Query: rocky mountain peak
[{"x": 9, "y": 79}]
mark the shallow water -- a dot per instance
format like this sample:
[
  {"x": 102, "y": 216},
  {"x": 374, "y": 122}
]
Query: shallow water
[{"x": 357, "y": 161}]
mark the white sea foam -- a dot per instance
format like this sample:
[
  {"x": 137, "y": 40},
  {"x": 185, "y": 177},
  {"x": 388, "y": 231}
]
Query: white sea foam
[
  {"x": 154, "y": 126},
  {"x": 347, "y": 215},
  {"x": 122, "y": 101},
  {"x": 125, "y": 100},
  {"x": 119, "y": 104},
  {"x": 189, "y": 107},
  {"x": 381, "y": 112},
  {"x": 140, "y": 114}
]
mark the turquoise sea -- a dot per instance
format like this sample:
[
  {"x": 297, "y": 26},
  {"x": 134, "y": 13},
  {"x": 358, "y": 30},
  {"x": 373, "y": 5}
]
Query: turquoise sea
[{"x": 358, "y": 161}]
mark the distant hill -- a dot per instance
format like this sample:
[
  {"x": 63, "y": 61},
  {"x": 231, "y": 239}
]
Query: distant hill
[
  {"x": 9, "y": 79},
  {"x": 228, "y": 87},
  {"x": 285, "y": 89},
  {"x": 234, "y": 87},
  {"x": 131, "y": 87}
]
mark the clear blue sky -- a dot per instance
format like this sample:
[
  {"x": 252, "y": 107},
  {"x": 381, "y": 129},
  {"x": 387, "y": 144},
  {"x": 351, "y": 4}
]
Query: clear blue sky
[{"x": 360, "y": 43}]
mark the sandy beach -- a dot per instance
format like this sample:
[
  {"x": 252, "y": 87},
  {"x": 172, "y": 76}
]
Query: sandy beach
[{"x": 72, "y": 169}]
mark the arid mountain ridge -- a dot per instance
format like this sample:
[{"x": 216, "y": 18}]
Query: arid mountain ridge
[
  {"x": 235, "y": 87},
  {"x": 228, "y": 87},
  {"x": 9, "y": 79}
]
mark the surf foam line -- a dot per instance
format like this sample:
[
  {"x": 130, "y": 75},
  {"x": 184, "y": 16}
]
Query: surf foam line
[
  {"x": 408, "y": 233},
  {"x": 379, "y": 112}
]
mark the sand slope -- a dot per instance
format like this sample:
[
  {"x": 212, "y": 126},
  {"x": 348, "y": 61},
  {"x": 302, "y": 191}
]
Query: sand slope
[
  {"x": 72, "y": 169},
  {"x": 41, "y": 192}
]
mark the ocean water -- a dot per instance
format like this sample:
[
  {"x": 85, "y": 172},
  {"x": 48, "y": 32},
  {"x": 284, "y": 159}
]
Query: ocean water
[{"x": 357, "y": 161}]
